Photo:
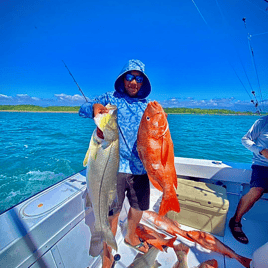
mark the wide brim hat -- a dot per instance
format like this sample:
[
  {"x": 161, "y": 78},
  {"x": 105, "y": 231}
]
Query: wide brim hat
[{"x": 134, "y": 65}]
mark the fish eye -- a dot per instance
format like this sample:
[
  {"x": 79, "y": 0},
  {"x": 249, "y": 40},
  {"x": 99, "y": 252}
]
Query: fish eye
[{"x": 147, "y": 118}]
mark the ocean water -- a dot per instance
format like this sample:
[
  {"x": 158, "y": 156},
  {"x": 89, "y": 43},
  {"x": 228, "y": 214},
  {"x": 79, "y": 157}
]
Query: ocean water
[{"x": 40, "y": 149}]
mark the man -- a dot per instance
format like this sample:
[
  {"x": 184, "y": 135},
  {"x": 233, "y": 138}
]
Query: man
[
  {"x": 256, "y": 140},
  {"x": 132, "y": 86}
]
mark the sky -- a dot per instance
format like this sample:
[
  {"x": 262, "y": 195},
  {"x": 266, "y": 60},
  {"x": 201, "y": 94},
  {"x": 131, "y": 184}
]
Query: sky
[{"x": 197, "y": 53}]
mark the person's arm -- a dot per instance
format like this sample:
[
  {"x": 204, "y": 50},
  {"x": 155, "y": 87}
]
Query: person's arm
[
  {"x": 249, "y": 138},
  {"x": 91, "y": 109}
]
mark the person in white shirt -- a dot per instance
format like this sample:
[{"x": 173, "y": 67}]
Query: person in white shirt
[{"x": 256, "y": 140}]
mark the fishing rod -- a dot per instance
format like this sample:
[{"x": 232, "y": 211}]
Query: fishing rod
[
  {"x": 87, "y": 100},
  {"x": 255, "y": 103},
  {"x": 75, "y": 81},
  {"x": 254, "y": 65}
]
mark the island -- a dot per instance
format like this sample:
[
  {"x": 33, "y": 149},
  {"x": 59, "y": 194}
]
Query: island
[{"x": 75, "y": 109}]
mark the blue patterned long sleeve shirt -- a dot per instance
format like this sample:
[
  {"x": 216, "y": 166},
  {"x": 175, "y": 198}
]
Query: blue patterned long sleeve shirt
[{"x": 130, "y": 112}]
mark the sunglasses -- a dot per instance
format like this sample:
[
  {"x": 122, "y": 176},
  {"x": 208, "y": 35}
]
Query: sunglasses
[{"x": 130, "y": 77}]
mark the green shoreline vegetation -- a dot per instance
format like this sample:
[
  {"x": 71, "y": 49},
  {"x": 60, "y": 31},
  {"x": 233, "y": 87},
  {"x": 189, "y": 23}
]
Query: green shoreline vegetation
[
  {"x": 75, "y": 109},
  {"x": 35, "y": 108}
]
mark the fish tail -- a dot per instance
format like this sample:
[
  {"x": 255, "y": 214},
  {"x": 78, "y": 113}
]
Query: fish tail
[
  {"x": 168, "y": 204},
  {"x": 96, "y": 244},
  {"x": 244, "y": 261}
]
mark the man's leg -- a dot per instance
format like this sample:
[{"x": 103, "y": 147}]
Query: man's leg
[
  {"x": 134, "y": 217},
  {"x": 247, "y": 202},
  {"x": 244, "y": 205}
]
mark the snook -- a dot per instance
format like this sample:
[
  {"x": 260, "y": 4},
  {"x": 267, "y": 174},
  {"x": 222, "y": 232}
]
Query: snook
[{"x": 102, "y": 160}]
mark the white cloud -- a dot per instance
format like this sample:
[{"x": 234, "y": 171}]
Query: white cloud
[
  {"x": 216, "y": 103},
  {"x": 74, "y": 98},
  {"x": 5, "y": 97},
  {"x": 22, "y": 95},
  {"x": 58, "y": 100}
]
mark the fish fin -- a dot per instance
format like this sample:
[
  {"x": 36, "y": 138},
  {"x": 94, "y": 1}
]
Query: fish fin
[
  {"x": 110, "y": 239},
  {"x": 175, "y": 223},
  {"x": 88, "y": 202},
  {"x": 155, "y": 183},
  {"x": 156, "y": 264},
  {"x": 112, "y": 199},
  {"x": 158, "y": 246},
  {"x": 86, "y": 158},
  {"x": 244, "y": 261},
  {"x": 175, "y": 180},
  {"x": 146, "y": 236},
  {"x": 162, "y": 235},
  {"x": 165, "y": 248},
  {"x": 209, "y": 263},
  {"x": 92, "y": 148},
  {"x": 164, "y": 152},
  {"x": 184, "y": 234},
  {"x": 180, "y": 231},
  {"x": 168, "y": 204},
  {"x": 204, "y": 242},
  {"x": 171, "y": 241}
]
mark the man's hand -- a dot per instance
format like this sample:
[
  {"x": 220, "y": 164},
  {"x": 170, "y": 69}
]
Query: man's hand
[
  {"x": 265, "y": 153},
  {"x": 99, "y": 109}
]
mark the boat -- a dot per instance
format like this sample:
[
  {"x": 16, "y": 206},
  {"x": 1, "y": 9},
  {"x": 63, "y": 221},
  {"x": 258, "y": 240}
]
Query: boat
[{"x": 52, "y": 228}]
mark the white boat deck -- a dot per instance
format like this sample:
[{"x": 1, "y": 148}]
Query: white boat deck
[{"x": 51, "y": 229}]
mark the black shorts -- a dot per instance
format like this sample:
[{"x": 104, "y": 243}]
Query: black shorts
[
  {"x": 259, "y": 177},
  {"x": 137, "y": 189}
]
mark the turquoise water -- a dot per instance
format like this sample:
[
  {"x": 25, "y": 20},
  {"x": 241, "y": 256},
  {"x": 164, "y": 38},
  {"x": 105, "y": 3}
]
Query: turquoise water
[{"x": 40, "y": 149}]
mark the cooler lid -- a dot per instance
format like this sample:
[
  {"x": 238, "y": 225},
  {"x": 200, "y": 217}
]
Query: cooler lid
[{"x": 206, "y": 194}]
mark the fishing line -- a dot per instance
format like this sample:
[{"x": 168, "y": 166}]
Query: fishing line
[
  {"x": 87, "y": 101},
  {"x": 253, "y": 92},
  {"x": 258, "y": 34},
  {"x": 225, "y": 21},
  {"x": 257, "y": 6},
  {"x": 256, "y": 102},
  {"x": 240, "y": 80},
  {"x": 255, "y": 67},
  {"x": 200, "y": 12},
  {"x": 253, "y": 60}
]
